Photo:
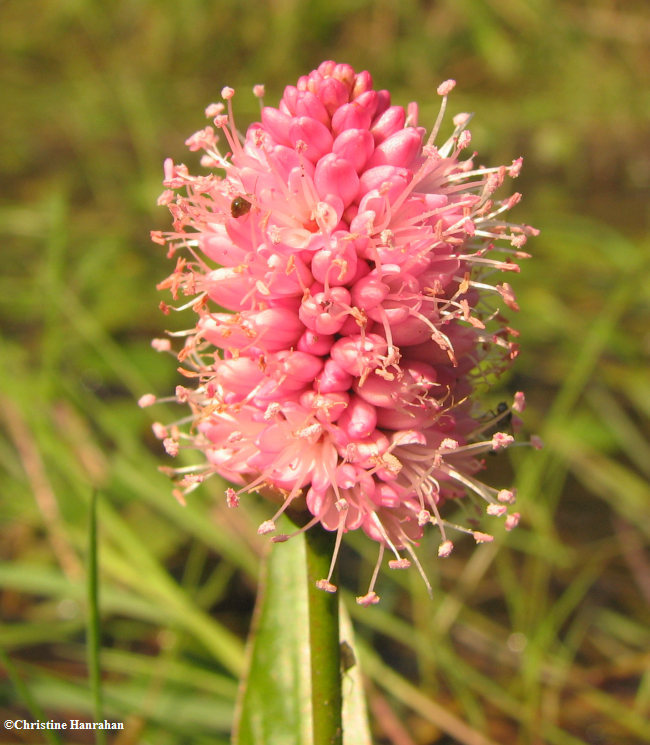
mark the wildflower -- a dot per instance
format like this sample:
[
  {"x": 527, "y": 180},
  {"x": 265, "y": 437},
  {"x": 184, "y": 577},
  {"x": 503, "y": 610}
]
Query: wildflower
[{"x": 338, "y": 263}]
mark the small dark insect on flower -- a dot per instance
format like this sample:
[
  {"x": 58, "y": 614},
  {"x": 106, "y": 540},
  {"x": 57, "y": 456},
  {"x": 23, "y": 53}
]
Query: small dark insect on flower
[
  {"x": 239, "y": 207},
  {"x": 504, "y": 418}
]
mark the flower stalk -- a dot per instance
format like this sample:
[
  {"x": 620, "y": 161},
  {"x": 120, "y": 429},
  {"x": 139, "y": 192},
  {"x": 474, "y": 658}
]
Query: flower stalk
[{"x": 324, "y": 639}]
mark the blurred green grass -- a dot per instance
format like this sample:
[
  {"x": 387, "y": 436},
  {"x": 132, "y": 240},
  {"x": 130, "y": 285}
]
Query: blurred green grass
[{"x": 539, "y": 638}]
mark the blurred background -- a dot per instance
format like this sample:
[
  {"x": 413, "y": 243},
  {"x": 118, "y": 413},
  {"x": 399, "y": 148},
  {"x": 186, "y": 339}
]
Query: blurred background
[{"x": 540, "y": 638}]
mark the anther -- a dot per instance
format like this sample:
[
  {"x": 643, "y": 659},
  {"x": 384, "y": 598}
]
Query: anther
[
  {"x": 161, "y": 345},
  {"x": 444, "y": 89},
  {"x": 482, "y": 537},
  {"x": 171, "y": 446},
  {"x": 506, "y": 496},
  {"x": 496, "y": 510},
  {"x": 445, "y": 548},
  {"x": 268, "y": 526},
  {"x": 512, "y": 521},
  {"x": 232, "y": 499},
  {"x": 370, "y": 598}
]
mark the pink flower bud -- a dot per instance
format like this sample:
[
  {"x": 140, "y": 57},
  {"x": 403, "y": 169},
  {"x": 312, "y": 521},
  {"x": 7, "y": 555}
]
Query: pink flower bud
[
  {"x": 399, "y": 149},
  {"x": 355, "y": 146},
  {"x": 307, "y": 104},
  {"x": 315, "y": 137},
  {"x": 391, "y": 121},
  {"x": 334, "y": 175},
  {"x": 359, "y": 419},
  {"x": 350, "y": 116},
  {"x": 277, "y": 124}
]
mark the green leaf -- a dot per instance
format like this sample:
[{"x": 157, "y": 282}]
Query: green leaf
[
  {"x": 275, "y": 705},
  {"x": 275, "y": 701}
]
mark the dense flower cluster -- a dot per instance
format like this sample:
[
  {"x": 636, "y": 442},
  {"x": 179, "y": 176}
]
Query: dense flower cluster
[{"x": 338, "y": 263}]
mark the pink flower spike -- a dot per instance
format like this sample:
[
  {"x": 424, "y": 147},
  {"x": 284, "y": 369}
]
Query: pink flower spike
[{"x": 338, "y": 265}]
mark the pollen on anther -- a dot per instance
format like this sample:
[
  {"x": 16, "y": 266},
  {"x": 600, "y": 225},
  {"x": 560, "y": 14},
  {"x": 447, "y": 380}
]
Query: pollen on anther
[
  {"x": 501, "y": 440},
  {"x": 268, "y": 526},
  {"x": 161, "y": 345},
  {"x": 520, "y": 402},
  {"x": 512, "y": 521},
  {"x": 496, "y": 510},
  {"x": 482, "y": 537},
  {"x": 506, "y": 496},
  {"x": 444, "y": 89},
  {"x": 159, "y": 430},
  {"x": 323, "y": 584},
  {"x": 171, "y": 446},
  {"x": 370, "y": 598},
  {"x": 232, "y": 499},
  {"x": 424, "y": 517},
  {"x": 445, "y": 549},
  {"x": 536, "y": 442},
  {"x": 213, "y": 109},
  {"x": 147, "y": 400},
  {"x": 399, "y": 564}
]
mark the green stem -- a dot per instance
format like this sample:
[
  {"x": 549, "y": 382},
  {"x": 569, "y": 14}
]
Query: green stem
[{"x": 324, "y": 641}]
